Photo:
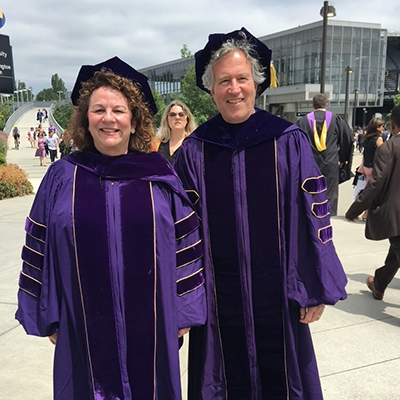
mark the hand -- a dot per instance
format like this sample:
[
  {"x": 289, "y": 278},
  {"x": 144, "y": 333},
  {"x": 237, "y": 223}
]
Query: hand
[
  {"x": 350, "y": 220},
  {"x": 182, "y": 332},
  {"x": 53, "y": 338},
  {"x": 311, "y": 314}
]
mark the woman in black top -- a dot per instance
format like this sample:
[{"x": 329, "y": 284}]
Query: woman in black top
[
  {"x": 372, "y": 140},
  {"x": 176, "y": 123}
]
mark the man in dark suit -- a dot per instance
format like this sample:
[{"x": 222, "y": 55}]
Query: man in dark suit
[
  {"x": 382, "y": 197},
  {"x": 331, "y": 142}
]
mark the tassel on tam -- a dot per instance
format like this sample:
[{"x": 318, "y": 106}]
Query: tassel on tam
[{"x": 273, "y": 78}]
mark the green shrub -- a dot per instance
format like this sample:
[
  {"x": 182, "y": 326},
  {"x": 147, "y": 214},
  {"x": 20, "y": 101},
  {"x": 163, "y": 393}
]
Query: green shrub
[
  {"x": 2, "y": 159},
  {"x": 14, "y": 182},
  {"x": 62, "y": 113},
  {"x": 3, "y": 143}
]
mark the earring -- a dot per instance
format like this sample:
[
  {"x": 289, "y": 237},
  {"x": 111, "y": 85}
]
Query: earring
[{"x": 133, "y": 130}]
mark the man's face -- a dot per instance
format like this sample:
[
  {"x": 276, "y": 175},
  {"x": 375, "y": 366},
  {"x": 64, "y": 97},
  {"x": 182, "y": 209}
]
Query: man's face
[{"x": 234, "y": 90}]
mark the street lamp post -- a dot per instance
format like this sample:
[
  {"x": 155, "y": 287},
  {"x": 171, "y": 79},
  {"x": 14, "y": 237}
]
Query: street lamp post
[
  {"x": 325, "y": 12},
  {"x": 346, "y": 99},
  {"x": 364, "y": 117},
  {"x": 355, "y": 107},
  {"x": 17, "y": 92}
]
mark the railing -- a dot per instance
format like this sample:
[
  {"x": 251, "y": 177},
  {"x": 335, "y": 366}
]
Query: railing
[
  {"x": 16, "y": 115},
  {"x": 59, "y": 128}
]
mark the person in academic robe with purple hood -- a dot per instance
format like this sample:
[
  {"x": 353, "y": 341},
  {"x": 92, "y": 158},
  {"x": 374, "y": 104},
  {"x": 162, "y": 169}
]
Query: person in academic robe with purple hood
[
  {"x": 270, "y": 263},
  {"x": 112, "y": 265},
  {"x": 331, "y": 141}
]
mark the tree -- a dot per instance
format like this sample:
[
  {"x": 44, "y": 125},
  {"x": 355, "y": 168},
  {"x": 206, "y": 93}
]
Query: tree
[
  {"x": 58, "y": 85},
  {"x": 161, "y": 106},
  {"x": 396, "y": 100},
  {"x": 185, "y": 52},
  {"x": 199, "y": 102},
  {"x": 47, "y": 95},
  {"x": 56, "y": 92}
]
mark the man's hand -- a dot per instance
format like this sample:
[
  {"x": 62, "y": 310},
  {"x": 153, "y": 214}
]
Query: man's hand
[
  {"x": 53, "y": 338},
  {"x": 182, "y": 332},
  {"x": 311, "y": 314}
]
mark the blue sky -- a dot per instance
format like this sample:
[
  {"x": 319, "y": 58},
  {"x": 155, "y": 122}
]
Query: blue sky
[{"x": 55, "y": 36}]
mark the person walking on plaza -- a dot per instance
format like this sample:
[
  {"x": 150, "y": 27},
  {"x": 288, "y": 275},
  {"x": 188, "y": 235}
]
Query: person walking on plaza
[
  {"x": 16, "y": 136},
  {"x": 270, "y": 263},
  {"x": 52, "y": 145},
  {"x": 372, "y": 140},
  {"x": 41, "y": 148},
  {"x": 30, "y": 136},
  {"x": 331, "y": 142},
  {"x": 382, "y": 199},
  {"x": 112, "y": 267}
]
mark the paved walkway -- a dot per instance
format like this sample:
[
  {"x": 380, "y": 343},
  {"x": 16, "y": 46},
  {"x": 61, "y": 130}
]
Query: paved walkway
[{"x": 356, "y": 342}]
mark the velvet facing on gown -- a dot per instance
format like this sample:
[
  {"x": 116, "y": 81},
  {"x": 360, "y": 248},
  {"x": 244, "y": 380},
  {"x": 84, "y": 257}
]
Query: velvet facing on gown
[
  {"x": 249, "y": 316},
  {"x": 98, "y": 275}
]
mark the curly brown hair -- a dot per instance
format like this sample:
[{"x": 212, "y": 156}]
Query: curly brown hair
[{"x": 78, "y": 125}]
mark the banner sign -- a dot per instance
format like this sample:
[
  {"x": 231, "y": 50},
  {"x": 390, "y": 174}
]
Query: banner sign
[{"x": 6, "y": 66}]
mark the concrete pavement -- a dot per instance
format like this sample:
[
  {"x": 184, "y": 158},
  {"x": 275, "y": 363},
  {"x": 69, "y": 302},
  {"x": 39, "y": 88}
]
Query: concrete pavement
[{"x": 356, "y": 342}]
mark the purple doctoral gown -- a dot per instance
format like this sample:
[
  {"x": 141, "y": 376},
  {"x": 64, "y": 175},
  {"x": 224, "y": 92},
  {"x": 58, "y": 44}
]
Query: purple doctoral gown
[
  {"x": 268, "y": 252},
  {"x": 113, "y": 262}
]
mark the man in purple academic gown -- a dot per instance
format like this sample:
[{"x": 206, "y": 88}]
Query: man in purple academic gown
[
  {"x": 331, "y": 142},
  {"x": 113, "y": 264},
  {"x": 270, "y": 263}
]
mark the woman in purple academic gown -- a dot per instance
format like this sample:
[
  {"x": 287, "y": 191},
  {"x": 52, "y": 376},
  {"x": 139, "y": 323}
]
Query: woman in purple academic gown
[{"x": 112, "y": 262}]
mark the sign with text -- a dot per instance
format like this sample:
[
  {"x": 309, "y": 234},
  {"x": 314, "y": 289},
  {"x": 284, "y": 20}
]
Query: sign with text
[{"x": 6, "y": 66}]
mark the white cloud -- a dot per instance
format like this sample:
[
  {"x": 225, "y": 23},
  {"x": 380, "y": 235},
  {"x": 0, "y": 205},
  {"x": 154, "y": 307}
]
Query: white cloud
[{"x": 53, "y": 36}]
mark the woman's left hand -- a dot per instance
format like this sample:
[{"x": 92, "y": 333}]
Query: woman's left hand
[{"x": 53, "y": 338}]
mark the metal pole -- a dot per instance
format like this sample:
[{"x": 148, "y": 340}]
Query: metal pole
[
  {"x": 346, "y": 99},
  {"x": 355, "y": 107},
  {"x": 364, "y": 117},
  {"x": 323, "y": 54}
]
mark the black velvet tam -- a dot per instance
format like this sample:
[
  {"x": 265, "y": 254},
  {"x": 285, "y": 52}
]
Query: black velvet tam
[
  {"x": 215, "y": 41},
  {"x": 120, "y": 68}
]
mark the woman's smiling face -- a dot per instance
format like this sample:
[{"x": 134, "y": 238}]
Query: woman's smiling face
[{"x": 110, "y": 121}]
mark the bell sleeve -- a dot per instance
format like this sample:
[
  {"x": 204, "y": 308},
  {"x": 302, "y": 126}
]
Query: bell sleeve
[
  {"x": 314, "y": 274},
  {"x": 38, "y": 305},
  {"x": 189, "y": 265}
]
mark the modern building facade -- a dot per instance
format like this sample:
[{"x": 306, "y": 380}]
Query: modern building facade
[{"x": 356, "y": 64}]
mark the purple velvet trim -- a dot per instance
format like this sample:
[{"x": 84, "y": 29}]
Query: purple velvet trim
[
  {"x": 189, "y": 255},
  {"x": 186, "y": 226},
  {"x": 314, "y": 185},
  {"x": 32, "y": 271},
  {"x": 325, "y": 234},
  {"x": 93, "y": 263},
  {"x": 266, "y": 268},
  {"x": 224, "y": 250},
  {"x": 262, "y": 125},
  {"x": 29, "y": 285},
  {"x": 32, "y": 258},
  {"x": 35, "y": 230},
  {"x": 139, "y": 286},
  {"x": 311, "y": 119},
  {"x": 130, "y": 166},
  {"x": 187, "y": 285},
  {"x": 321, "y": 210}
]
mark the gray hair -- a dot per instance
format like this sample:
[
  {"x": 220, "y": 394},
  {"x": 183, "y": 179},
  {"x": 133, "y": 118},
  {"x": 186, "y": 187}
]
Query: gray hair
[{"x": 227, "y": 47}]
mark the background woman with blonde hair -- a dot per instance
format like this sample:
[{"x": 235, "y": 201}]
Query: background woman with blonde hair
[{"x": 176, "y": 123}]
